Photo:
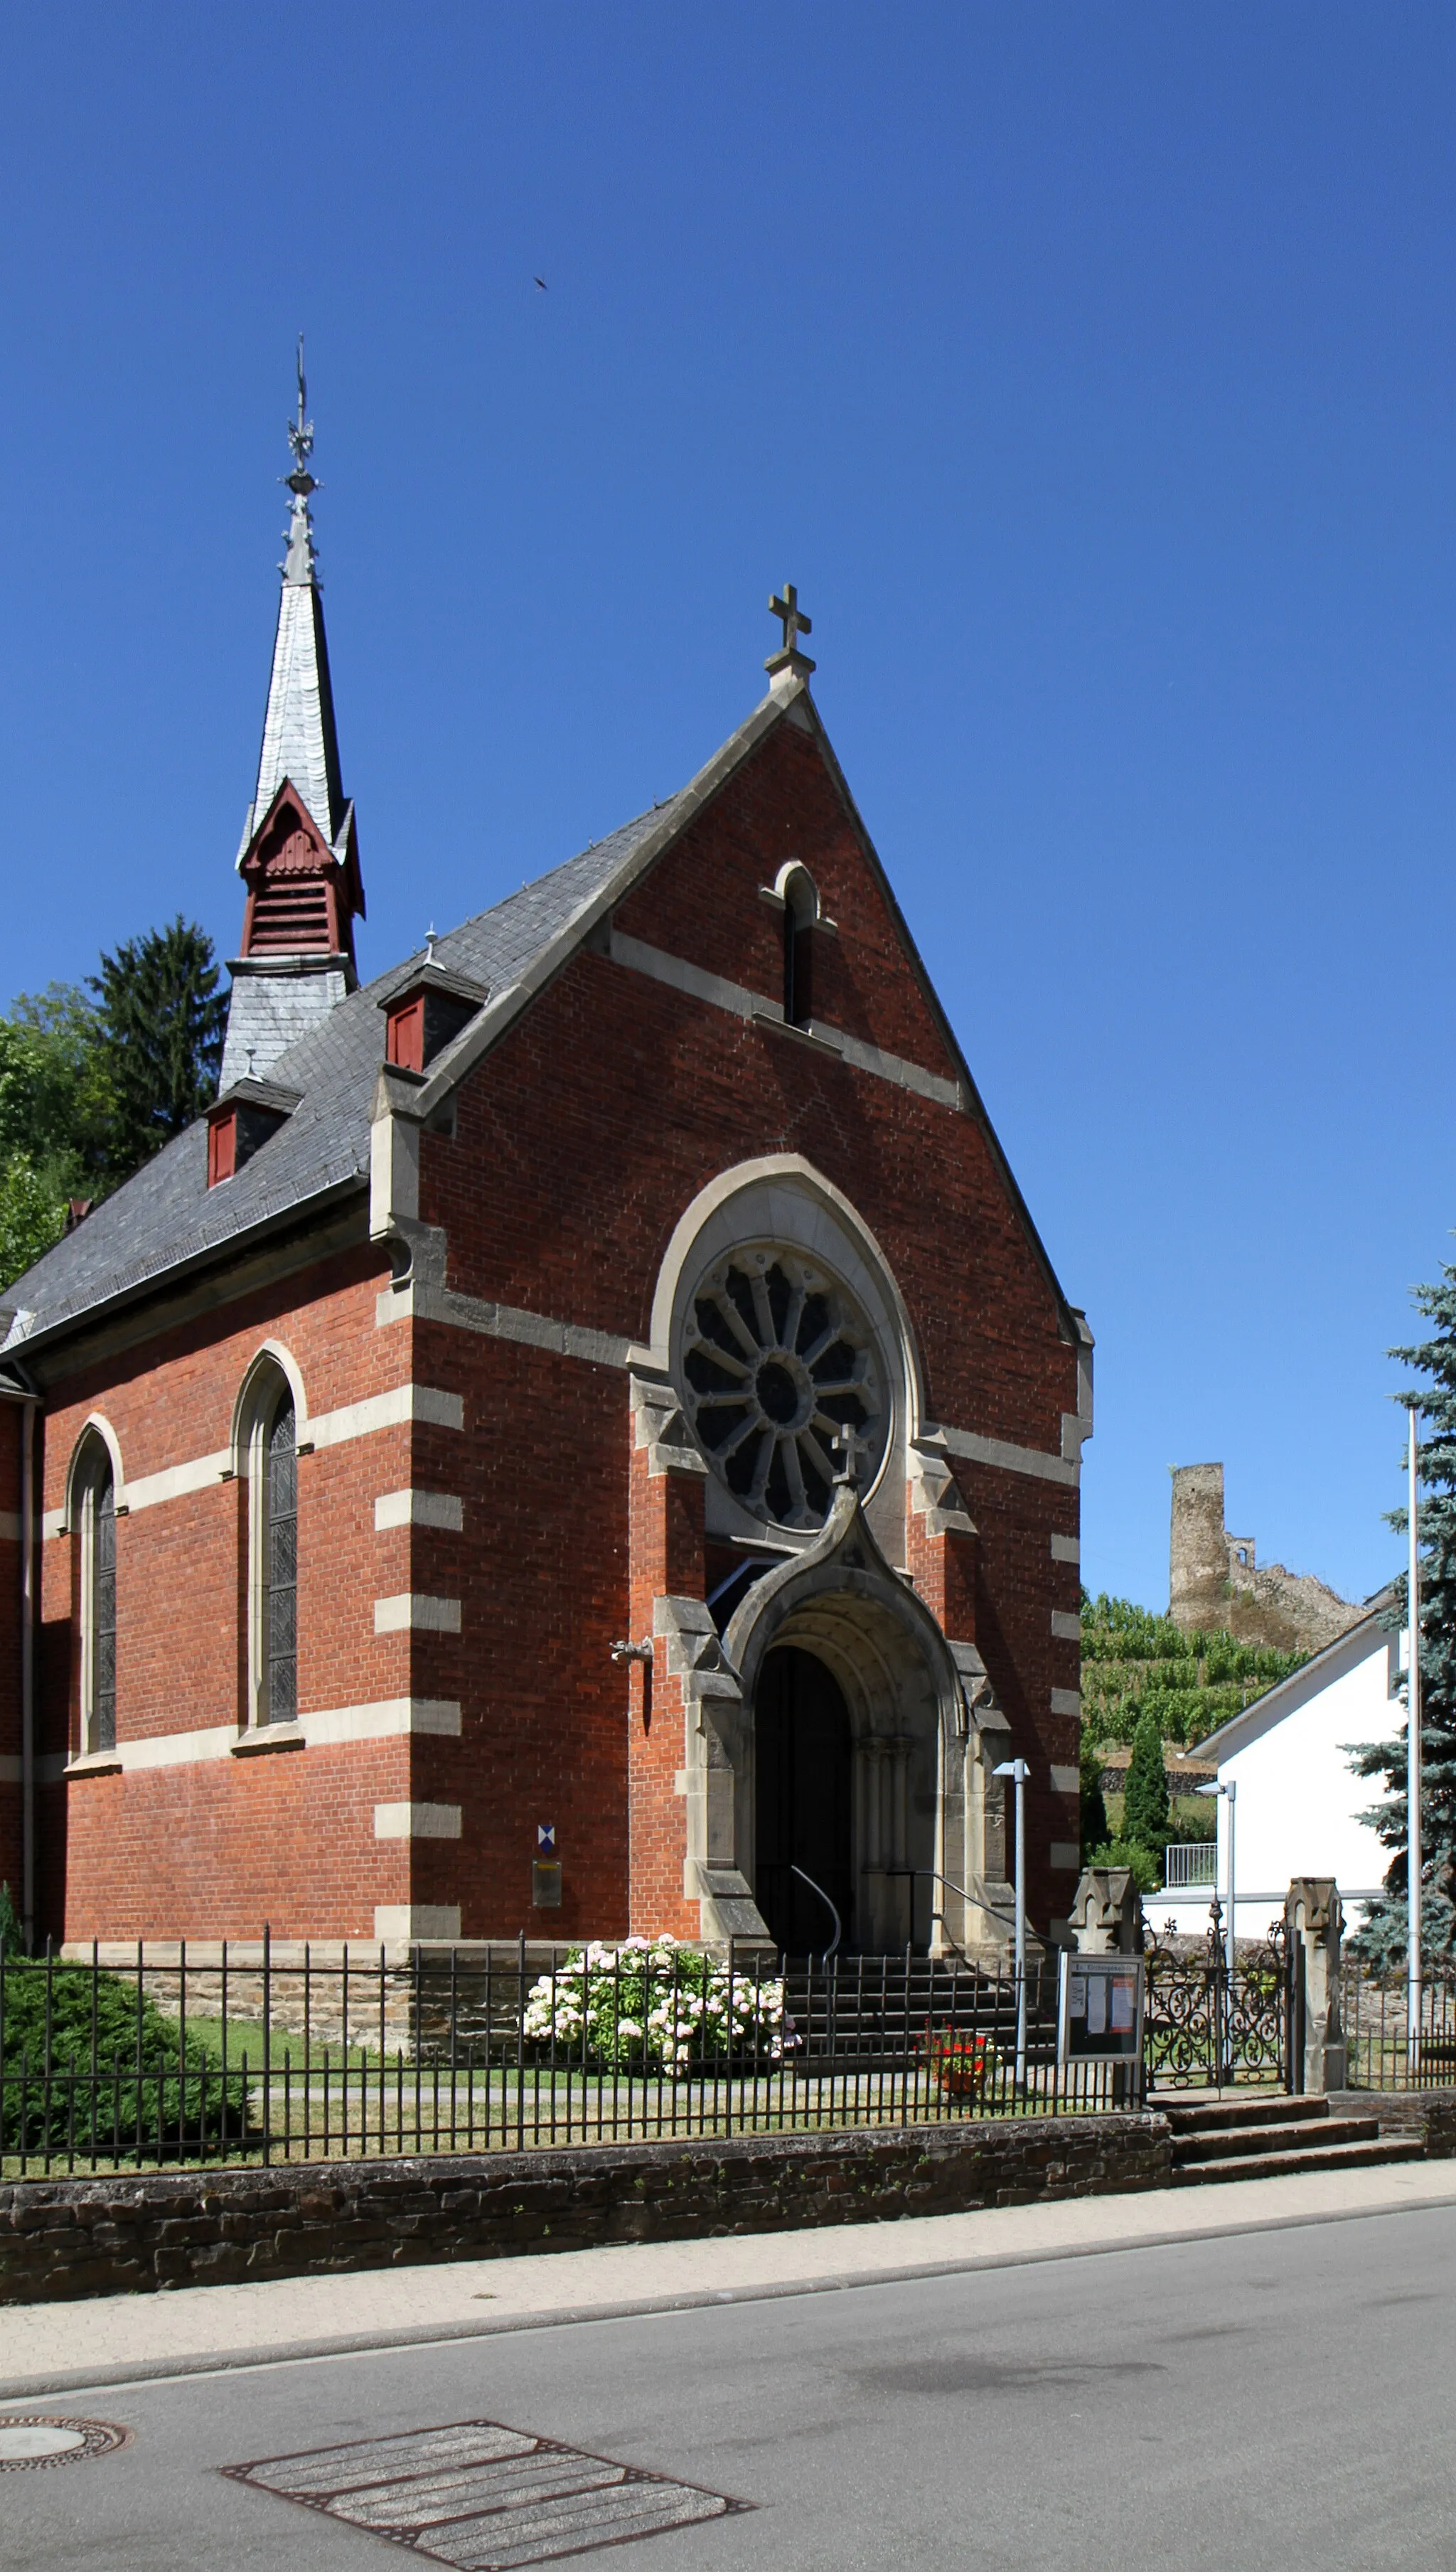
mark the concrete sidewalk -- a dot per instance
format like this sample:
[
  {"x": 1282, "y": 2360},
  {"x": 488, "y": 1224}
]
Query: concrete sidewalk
[{"x": 111, "y": 2339}]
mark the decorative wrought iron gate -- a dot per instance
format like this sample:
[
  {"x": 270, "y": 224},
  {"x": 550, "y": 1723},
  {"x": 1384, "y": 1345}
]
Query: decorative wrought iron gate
[{"x": 1205, "y": 2028}]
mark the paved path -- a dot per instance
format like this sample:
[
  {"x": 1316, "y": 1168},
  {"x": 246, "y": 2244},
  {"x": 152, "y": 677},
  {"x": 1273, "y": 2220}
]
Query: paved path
[
  {"x": 115, "y": 2338},
  {"x": 1269, "y": 2398}
]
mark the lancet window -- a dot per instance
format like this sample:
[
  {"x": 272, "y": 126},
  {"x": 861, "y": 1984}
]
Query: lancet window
[
  {"x": 96, "y": 1527},
  {"x": 272, "y": 1467}
]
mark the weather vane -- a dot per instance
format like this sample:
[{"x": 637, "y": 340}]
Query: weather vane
[{"x": 301, "y": 437}]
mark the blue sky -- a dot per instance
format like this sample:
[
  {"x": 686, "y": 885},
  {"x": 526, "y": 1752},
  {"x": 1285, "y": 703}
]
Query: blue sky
[{"x": 1090, "y": 371}]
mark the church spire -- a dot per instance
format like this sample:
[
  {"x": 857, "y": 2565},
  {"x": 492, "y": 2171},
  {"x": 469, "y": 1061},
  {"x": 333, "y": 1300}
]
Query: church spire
[
  {"x": 300, "y": 740},
  {"x": 300, "y": 853}
]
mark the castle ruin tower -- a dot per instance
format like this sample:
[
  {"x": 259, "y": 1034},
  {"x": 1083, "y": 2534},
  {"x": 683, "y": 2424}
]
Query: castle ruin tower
[
  {"x": 1197, "y": 1569},
  {"x": 298, "y": 858}
]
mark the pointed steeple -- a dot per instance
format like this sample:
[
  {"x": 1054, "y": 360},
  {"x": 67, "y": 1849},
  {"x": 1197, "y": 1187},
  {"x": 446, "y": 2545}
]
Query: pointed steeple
[
  {"x": 300, "y": 740},
  {"x": 300, "y": 853}
]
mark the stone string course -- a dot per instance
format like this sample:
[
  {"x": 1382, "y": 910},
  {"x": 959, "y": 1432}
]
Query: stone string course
[{"x": 63, "y": 2237}]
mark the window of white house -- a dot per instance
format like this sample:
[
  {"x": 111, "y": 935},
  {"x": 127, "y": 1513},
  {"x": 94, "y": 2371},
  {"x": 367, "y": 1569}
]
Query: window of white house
[
  {"x": 98, "y": 1605},
  {"x": 273, "y": 1562}
]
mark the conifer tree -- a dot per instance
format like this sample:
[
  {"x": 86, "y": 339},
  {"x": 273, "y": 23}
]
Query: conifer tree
[
  {"x": 1145, "y": 1800},
  {"x": 162, "y": 1020},
  {"x": 1382, "y": 1940},
  {"x": 1095, "y": 1827}
]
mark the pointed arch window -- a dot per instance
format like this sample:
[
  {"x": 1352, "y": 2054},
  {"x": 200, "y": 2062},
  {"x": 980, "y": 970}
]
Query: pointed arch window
[
  {"x": 97, "y": 1529},
  {"x": 273, "y": 1466}
]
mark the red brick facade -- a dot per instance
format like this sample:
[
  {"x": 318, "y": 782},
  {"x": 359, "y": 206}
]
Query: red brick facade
[{"x": 456, "y": 1686}]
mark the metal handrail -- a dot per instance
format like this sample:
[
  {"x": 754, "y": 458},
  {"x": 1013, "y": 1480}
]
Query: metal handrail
[{"x": 834, "y": 1948}]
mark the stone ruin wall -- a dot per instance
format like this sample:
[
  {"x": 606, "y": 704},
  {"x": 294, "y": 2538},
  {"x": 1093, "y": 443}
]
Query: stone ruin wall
[{"x": 1217, "y": 1582}]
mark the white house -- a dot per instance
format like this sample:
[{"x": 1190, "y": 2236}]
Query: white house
[{"x": 1297, "y": 1801}]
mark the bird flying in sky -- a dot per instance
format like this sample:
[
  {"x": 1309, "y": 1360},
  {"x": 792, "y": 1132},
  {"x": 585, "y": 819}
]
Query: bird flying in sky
[{"x": 541, "y": 281}]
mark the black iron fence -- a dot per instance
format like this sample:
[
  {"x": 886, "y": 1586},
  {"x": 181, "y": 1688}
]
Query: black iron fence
[
  {"x": 257, "y": 2052},
  {"x": 1207, "y": 2028},
  {"x": 1381, "y": 2051}
]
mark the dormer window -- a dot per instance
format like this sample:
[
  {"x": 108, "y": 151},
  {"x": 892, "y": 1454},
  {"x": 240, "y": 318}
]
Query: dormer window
[
  {"x": 241, "y": 1122},
  {"x": 800, "y": 913},
  {"x": 426, "y": 1014}
]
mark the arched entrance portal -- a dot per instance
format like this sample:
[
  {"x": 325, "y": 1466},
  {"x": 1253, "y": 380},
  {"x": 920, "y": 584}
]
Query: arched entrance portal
[{"x": 803, "y": 1799}]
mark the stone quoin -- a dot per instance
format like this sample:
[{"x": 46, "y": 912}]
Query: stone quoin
[{"x": 583, "y": 1435}]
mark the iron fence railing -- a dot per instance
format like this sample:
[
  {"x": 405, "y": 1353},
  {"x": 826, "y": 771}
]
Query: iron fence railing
[
  {"x": 1205, "y": 2028},
  {"x": 250, "y": 2052},
  {"x": 1379, "y": 2052}
]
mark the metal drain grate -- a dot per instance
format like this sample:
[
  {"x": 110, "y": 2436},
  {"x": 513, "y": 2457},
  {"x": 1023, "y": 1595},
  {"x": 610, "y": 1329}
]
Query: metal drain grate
[
  {"x": 482, "y": 2497},
  {"x": 29, "y": 2439}
]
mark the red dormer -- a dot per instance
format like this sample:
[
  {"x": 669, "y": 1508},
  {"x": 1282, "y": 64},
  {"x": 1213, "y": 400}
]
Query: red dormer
[{"x": 426, "y": 1013}]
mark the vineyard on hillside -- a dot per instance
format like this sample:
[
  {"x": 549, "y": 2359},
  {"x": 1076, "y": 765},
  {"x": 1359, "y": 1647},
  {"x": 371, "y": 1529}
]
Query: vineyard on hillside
[{"x": 1134, "y": 1662}]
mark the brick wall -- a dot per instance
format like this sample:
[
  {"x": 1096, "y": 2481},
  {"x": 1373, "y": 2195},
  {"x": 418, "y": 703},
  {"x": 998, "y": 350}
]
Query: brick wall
[
  {"x": 580, "y": 1138},
  {"x": 11, "y": 1418}
]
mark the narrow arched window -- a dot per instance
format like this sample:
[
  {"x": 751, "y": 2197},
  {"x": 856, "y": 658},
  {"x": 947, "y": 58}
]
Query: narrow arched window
[
  {"x": 282, "y": 1567},
  {"x": 98, "y": 1515},
  {"x": 273, "y": 1465},
  {"x": 800, "y": 910}
]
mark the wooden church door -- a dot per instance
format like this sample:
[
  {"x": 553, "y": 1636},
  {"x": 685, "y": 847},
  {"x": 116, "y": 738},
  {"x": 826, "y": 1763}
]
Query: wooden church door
[{"x": 802, "y": 1801}]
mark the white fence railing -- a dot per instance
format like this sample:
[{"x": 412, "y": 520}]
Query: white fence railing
[{"x": 1189, "y": 1864}]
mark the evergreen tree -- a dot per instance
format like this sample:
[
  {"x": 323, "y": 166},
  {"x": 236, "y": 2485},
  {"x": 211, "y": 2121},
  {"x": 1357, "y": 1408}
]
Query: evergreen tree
[
  {"x": 1095, "y": 1825},
  {"x": 1145, "y": 1800},
  {"x": 1382, "y": 1940},
  {"x": 162, "y": 1020}
]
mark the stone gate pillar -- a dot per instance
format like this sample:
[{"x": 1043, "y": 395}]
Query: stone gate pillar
[
  {"x": 1106, "y": 1913},
  {"x": 1314, "y": 1920}
]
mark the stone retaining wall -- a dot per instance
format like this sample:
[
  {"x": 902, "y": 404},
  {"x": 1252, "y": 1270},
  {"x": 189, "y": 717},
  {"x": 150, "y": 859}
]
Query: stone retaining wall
[
  {"x": 1430, "y": 2113},
  {"x": 95, "y": 2236}
]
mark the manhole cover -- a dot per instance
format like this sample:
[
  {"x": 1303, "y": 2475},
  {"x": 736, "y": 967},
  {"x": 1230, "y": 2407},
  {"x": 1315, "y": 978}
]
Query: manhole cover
[
  {"x": 40, "y": 2438},
  {"x": 483, "y": 2497}
]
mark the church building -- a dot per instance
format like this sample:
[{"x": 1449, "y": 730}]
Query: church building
[{"x": 583, "y": 1436}]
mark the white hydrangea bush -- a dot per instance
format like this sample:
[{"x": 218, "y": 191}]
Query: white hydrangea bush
[{"x": 656, "y": 2005}]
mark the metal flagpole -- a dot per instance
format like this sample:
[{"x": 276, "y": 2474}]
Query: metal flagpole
[{"x": 1413, "y": 1773}]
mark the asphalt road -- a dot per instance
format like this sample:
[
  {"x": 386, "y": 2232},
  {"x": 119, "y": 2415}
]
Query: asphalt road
[{"x": 1270, "y": 2399}]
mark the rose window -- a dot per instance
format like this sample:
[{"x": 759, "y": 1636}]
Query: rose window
[{"x": 779, "y": 1362}]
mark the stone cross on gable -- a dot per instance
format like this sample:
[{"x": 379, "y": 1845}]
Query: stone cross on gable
[
  {"x": 850, "y": 1448},
  {"x": 791, "y": 616},
  {"x": 795, "y": 624}
]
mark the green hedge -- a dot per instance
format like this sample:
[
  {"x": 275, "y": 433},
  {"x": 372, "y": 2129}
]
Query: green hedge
[{"x": 83, "y": 2067}]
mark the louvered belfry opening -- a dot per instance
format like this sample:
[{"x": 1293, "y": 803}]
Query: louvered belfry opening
[
  {"x": 291, "y": 917},
  {"x": 293, "y": 905}
]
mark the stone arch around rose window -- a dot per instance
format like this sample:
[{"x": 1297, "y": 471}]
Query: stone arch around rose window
[{"x": 782, "y": 1202}]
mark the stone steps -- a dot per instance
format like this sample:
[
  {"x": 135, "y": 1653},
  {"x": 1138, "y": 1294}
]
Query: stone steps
[
  {"x": 1273, "y": 2138},
  {"x": 1284, "y": 2164},
  {"x": 1309, "y": 2134},
  {"x": 867, "y": 2012}
]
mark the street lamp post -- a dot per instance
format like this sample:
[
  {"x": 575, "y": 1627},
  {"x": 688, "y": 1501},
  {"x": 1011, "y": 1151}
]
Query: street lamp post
[
  {"x": 1413, "y": 1770},
  {"x": 1229, "y": 1791},
  {"x": 1018, "y": 1770}
]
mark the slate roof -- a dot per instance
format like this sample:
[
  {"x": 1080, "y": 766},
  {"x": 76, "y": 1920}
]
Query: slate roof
[
  {"x": 166, "y": 1217},
  {"x": 299, "y": 736}
]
